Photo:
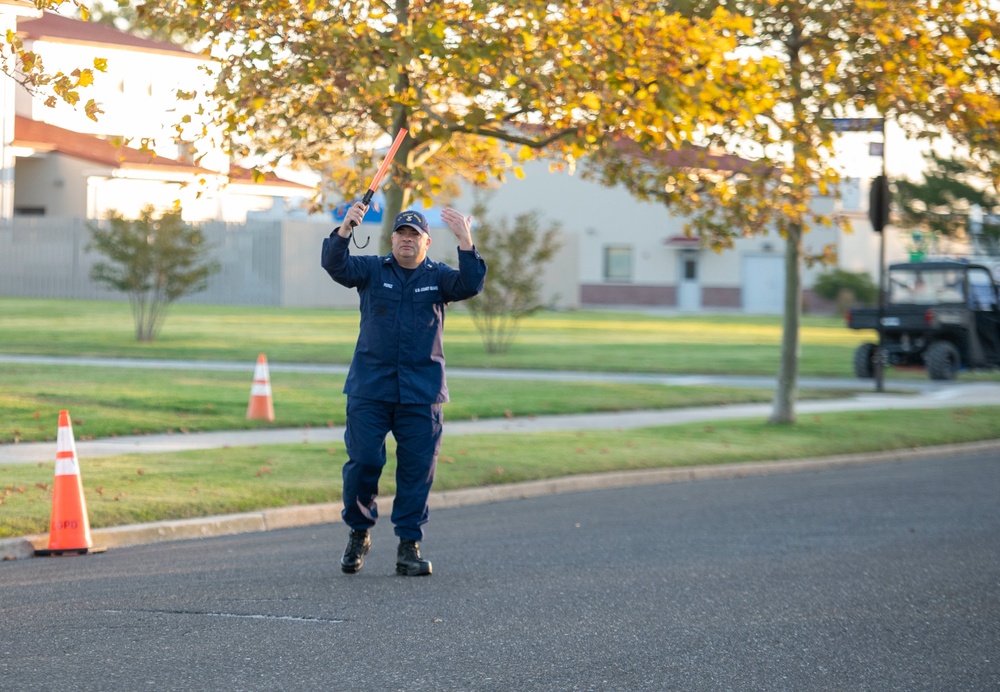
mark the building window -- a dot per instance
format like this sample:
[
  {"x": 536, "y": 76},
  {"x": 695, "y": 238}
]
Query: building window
[
  {"x": 690, "y": 269},
  {"x": 617, "y": 263},
  {"x": 29, "y": 211}
]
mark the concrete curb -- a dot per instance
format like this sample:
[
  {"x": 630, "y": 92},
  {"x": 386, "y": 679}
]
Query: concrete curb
[{"x": 307, "y": 515}]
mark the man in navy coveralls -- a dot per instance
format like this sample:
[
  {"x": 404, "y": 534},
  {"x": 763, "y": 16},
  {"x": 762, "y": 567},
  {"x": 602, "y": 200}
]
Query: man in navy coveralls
[{"x": 396, "y": 382}]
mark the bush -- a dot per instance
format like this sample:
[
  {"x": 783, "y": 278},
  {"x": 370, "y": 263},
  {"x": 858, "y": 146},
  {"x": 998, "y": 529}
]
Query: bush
[
  {"x": 516, "y": 256},
  {"x": 839, "y": 285},
  {"x": 153, "y": 260}
]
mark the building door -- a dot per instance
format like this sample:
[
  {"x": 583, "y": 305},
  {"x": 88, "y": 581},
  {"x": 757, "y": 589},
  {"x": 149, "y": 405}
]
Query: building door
[
  {"x": 688, "y": 284},
  {"x": 764, "y": 284}
]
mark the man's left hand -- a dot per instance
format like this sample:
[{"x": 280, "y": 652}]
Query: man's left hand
[{"x": 460, "y": 225}]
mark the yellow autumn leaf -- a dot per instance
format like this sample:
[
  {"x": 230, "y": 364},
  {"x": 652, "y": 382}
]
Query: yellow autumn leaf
[{"x": 591, "y": 101}]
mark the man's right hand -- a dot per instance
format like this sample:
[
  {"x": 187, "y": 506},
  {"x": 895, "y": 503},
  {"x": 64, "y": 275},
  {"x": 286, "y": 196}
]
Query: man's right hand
[{"x": 355, "y": 215}]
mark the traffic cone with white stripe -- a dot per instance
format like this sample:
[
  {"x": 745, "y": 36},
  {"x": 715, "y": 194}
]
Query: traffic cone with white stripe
[
  {"x": 261, "y": 405},
  {"x": 69, "y": 528}
]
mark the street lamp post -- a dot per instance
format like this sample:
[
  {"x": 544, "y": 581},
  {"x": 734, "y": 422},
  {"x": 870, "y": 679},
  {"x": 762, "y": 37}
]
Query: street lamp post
[
  {"x": 878, "y": 214},
  {"x": 976, "y": 227}
]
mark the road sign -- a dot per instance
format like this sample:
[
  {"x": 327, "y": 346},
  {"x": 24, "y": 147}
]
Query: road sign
[
  {"x": 857, "y": 124},
  {"x": 878, "y": 203}
]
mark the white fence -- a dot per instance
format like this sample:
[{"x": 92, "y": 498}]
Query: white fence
[{"x": 262, "y": 263}]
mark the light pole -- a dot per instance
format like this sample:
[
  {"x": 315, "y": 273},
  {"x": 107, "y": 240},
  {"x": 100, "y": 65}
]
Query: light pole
[
  {"x": 976, "y": 228},
  {"x": 878, "y": 213}
]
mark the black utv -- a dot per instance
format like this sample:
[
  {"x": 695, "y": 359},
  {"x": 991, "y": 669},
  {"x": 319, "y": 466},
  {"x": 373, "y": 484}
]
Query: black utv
[{"x": 942, "y": 315}]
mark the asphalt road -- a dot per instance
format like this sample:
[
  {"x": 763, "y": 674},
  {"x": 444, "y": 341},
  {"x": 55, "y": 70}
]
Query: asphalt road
[{"x": 873, "y": 577}]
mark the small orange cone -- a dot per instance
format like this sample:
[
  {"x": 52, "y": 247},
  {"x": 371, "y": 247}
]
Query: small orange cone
[
  {"x": 261, "y": 405},
  {"x": 69, "y": 528}
]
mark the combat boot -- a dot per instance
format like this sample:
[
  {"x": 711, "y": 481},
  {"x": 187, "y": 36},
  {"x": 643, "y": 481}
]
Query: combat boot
[
  {"x": 357, "y": 547},
  {"x": 408, "y": 560}
]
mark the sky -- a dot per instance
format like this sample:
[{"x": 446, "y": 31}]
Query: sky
[{"x": 904, "y": 158}]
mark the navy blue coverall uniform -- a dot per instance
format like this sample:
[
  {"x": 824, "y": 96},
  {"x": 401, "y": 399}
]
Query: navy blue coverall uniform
[{"x": 396, "y": 382}]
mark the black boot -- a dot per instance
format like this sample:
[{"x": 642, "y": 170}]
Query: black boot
[
  {"x": 408, "y": 560},
  {"x": 357, "y": 547}
]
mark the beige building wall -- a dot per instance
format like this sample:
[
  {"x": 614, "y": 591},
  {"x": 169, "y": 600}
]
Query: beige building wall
[
  {"x": 55, "y": 184},
  {"x": 603, "y": 220}
]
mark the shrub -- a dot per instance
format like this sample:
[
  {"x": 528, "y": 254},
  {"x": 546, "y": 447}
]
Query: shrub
[
  {"x": 153, "y": 260},
  {"x": 838, "y": 283},
  {"x": 516, "y": 256}
]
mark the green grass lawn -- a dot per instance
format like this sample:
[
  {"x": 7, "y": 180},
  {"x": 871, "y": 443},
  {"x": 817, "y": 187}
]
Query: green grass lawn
[
  {"x": 112, "y": 401},
  {"x": 106, "y": 402},
  {"x": 575, "y": 340}
]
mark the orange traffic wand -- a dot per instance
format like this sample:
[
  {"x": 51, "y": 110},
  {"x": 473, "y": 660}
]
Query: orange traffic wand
[
  {"x": 382, "y": 170},
  {"x": 261, "y": 405},
  {"x": 69, "y": 528}
]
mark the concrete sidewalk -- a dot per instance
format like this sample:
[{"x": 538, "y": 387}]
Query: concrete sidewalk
[{"x": 968, "y": 394}]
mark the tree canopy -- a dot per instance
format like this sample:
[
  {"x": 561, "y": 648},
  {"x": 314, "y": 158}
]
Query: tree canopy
[
  {"x": 483, "y": 85},
  {"x": 941, "y": 204},
  {"x": 932, "y": 66},
  {"x": 480, "y": 85}
]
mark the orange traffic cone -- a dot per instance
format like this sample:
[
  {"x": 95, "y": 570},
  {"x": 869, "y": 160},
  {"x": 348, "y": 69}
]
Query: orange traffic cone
[
  {"x": 69, "y": 528},
  {"x": 261, "y": 405}
]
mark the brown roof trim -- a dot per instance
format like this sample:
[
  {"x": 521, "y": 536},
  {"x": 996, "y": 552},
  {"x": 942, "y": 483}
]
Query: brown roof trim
[
  {"x": 34, "y": 134},
  {"x": 244, "y": 176},
  {"x": 690, "y": 156},
  {"x": 52, "y": 26},
  {"x": 42, "y": 136}
]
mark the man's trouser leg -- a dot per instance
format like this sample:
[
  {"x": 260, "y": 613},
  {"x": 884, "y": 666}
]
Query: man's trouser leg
[
  {"x": 417, "y": 429},
  {"x": 368, "y": 422}
]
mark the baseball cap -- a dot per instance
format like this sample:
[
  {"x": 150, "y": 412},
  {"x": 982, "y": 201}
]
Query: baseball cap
[{"x": 411, "y": 218}]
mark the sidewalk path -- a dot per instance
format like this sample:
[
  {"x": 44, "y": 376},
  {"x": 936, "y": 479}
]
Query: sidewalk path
[
  {"x": 480, "y": 373},
  {"x": 968, "y": 394}
]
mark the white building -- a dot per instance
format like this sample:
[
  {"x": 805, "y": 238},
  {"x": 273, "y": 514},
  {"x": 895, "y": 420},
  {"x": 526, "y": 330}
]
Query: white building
[
  {"x": 623, "y": 252},
  {"x": 71, "y": 166},
  {"x": 10, "y": 12},
  {"x": 616, "y": 251}
]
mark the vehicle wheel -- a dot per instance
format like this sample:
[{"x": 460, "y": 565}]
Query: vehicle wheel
[
  {"x": 864, "y": 361},
  {"x": 942, "y": 360}
]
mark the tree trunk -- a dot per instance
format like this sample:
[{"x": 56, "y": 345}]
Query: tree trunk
[
  {"x": 393, "y": 205},
  {"x": 788, "y": 372}
]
